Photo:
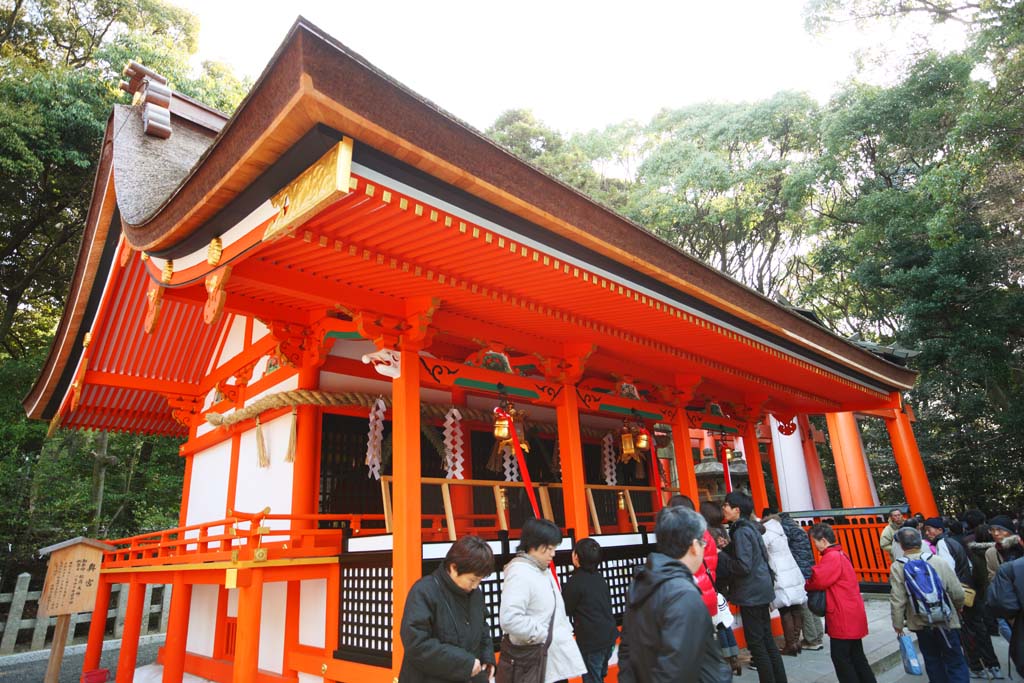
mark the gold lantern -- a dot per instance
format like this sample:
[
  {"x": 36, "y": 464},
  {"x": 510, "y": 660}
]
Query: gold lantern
[
  {"x": 628, "y": 448},
  {"x": 643, "y": 440},
  {"x": 501, "y": 431}
]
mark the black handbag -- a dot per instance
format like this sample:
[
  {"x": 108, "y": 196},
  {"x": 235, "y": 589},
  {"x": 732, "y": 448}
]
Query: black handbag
[
  {"x": 524, "y": 663},
  {"x": 817, "y": 603}
]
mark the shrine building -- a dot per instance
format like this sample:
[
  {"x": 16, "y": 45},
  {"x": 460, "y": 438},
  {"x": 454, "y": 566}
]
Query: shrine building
[{"x": 376, "y": 331}]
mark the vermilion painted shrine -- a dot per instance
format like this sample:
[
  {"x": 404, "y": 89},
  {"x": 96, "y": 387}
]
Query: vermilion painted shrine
[{"x": 341, "y": 282}]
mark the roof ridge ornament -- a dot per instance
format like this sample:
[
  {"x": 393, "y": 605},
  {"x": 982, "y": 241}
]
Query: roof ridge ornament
[{"x": 150, "y": 90}]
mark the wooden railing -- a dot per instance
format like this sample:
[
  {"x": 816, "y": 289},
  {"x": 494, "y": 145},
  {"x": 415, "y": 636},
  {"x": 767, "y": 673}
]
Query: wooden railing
[
  {"x": 262, "y": 536},
  {"x": 452, "y": 523}
]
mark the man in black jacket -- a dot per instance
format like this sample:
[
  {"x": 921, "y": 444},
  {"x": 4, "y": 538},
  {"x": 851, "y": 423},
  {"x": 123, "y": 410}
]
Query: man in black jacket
[
  {"x": 752, "y": 587},
  {"x": 667, "y": 635}
]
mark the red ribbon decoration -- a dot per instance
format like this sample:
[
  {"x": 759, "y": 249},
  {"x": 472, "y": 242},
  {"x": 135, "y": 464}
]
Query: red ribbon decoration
[
  {"x": 525, "y": 473},
  {"x": 655, "y": 470}
]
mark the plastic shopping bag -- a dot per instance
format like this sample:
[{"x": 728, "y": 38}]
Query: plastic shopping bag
[{"x": 911, "y": 660}]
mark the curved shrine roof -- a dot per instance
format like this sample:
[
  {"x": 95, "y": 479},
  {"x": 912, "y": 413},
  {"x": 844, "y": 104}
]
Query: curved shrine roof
[{"x": 612, "y": 281}]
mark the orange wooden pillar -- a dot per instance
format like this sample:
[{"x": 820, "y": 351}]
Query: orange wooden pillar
[
  {"x": 908, "y": 460},
  {"x": 406, "y": 519},
  {"x": 177, "y": 630},
  {"x": 247, "y": 638},
  {"x": 758, "y": 490},
  {"x": 851, "y": 468},
  {"x": 306, "y": 474},
  {"x": 570, "y": 443},
  {"x": 130, "y": 635},
  {"x": 684, "y": 457},
  {"x": 815, "y": 477},
  {"x": 97, "y": 627}
]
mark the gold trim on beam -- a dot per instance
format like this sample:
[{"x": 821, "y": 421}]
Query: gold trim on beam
[{"x": 316, "y": 188}]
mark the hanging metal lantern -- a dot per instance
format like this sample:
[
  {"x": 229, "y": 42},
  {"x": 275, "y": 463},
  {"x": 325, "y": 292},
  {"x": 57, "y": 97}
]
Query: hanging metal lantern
[
  {"x": 628, "y": 447},
  {"x": 501, "y": 431},
  {"x": 643, "y": 440}
]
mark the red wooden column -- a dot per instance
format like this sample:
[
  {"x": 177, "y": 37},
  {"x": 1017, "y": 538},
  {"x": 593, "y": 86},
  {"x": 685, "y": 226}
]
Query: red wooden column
[
  {"x": 177, "y": 630},
  {"x": 851, "y": 468},
  {"x": 684, "y": 457},
  {"x": 570, "y": 443},
  {"x": 406, "y": 518},
  {"x": 130, "y": 637},
  {"x": 306, "y": 473},
  {"x": 758, "y": 490},
  {"x": 908, "y": 460},
  {"x": 97, "y": 627},
  {"x": 247, "y": 638},
  {"x": 815, "y": 477}
]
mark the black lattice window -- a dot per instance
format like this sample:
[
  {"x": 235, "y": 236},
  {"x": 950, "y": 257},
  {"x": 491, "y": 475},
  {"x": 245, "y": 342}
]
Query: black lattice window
[{"x": 365, "y": 609}]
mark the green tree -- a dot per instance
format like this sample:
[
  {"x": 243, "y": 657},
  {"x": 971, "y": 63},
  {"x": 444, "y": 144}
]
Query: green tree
[{"x": 730, "y": 184}]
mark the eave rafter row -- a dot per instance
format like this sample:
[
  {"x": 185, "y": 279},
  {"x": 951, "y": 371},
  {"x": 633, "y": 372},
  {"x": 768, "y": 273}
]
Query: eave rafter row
[
  {"x": 460, "y": 228},
  {"x": 432, "y": 274}
]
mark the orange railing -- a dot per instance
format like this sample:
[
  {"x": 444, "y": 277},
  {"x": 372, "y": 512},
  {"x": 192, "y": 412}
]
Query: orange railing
[
  {"x": 858, "y": 531},
  {"x": 240, "y": 537}
]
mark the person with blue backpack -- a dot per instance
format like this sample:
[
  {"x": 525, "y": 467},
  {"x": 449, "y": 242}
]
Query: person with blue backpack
[{"x": 926, "y": 598}]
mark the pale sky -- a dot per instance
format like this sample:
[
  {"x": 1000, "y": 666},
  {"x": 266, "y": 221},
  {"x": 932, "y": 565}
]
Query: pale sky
[{"x": 578, "y": 65}]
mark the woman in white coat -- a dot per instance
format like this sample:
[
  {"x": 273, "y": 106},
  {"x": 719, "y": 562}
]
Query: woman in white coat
[
  {"x": 789, "y": 583},
  {"x": 528, "y": 597}
]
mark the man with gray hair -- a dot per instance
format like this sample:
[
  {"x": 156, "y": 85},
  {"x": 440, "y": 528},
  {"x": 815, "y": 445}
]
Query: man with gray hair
[
  {"x": 667, "y": 634},
  {"x": 926, "y": 597}
]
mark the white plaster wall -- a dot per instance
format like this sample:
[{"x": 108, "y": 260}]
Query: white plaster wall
[
  {"x": 202, "y": 620},
  {"x": 235, "y": 342},
  {"x": 794, "y": 484},
  {"x": 208, "y": 488},
  {"x": 259, "y": 487},
  {"x": 232, "y": 608},
  {"x": 313, "y": 612},
  {"x": 284, "y": 385},
  {"x": 259, "y": 330},
  {"x": 310, "y": 678},
  {"x": 275, "y": 600}
]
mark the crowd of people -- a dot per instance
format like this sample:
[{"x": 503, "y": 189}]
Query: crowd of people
[
  {"x": 678, "y": 623},
  {"x": 944, "y": 590}
]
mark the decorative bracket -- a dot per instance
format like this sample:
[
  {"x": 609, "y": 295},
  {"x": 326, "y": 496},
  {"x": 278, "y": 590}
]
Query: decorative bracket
[
  {"x": 215, "y": 295},
  {"x": 184, "y": 408},
  {"x": 154, "y": 302},
  {"x": 386, "y": 362},
  {"x": 567, "y": 370},
  {"x": 411, "y": 333}
]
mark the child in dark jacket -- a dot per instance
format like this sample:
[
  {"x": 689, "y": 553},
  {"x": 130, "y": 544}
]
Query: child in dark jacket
[{"x": 589, "y": 603}]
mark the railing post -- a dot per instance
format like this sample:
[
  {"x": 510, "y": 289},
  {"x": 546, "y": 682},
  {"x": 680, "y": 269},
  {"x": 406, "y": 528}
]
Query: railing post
[
  {"x": 13, "y": 624},
  {"x": 97, "y": 627}
]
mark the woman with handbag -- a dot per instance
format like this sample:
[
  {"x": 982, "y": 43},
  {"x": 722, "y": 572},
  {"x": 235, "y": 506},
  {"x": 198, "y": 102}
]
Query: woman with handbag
[
  {"x": 537, "y": 645},
  {"x": 444, "y": 626},
  {"x": 846, "y": 621}
]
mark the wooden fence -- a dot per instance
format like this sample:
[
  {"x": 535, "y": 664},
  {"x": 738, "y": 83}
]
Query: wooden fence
[{"x": 21, "y": 630}]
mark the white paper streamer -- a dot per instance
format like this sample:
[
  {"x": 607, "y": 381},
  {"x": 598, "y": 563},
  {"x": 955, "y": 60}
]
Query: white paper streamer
[
  {"x": 375, "y": 438},
  {"x": 454, "y": 460},
  {"x": 608, "y": 459},
  {"x": 509, "y": 463}
]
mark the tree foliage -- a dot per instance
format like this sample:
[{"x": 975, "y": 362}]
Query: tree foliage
[{"x": 60, "y": 65}]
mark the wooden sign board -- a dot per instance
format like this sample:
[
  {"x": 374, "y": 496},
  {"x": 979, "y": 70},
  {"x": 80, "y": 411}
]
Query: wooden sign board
[{"x": 72, "y": 577}]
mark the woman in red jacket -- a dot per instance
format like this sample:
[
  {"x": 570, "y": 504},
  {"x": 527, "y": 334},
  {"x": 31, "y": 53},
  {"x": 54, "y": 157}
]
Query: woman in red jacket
[
  {"x": 705, "y": 575},
  {"x": 846, "y": 622}
]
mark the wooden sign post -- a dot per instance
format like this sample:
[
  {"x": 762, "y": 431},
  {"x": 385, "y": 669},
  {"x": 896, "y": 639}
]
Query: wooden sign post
[{"x": 72, "y": 578}]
